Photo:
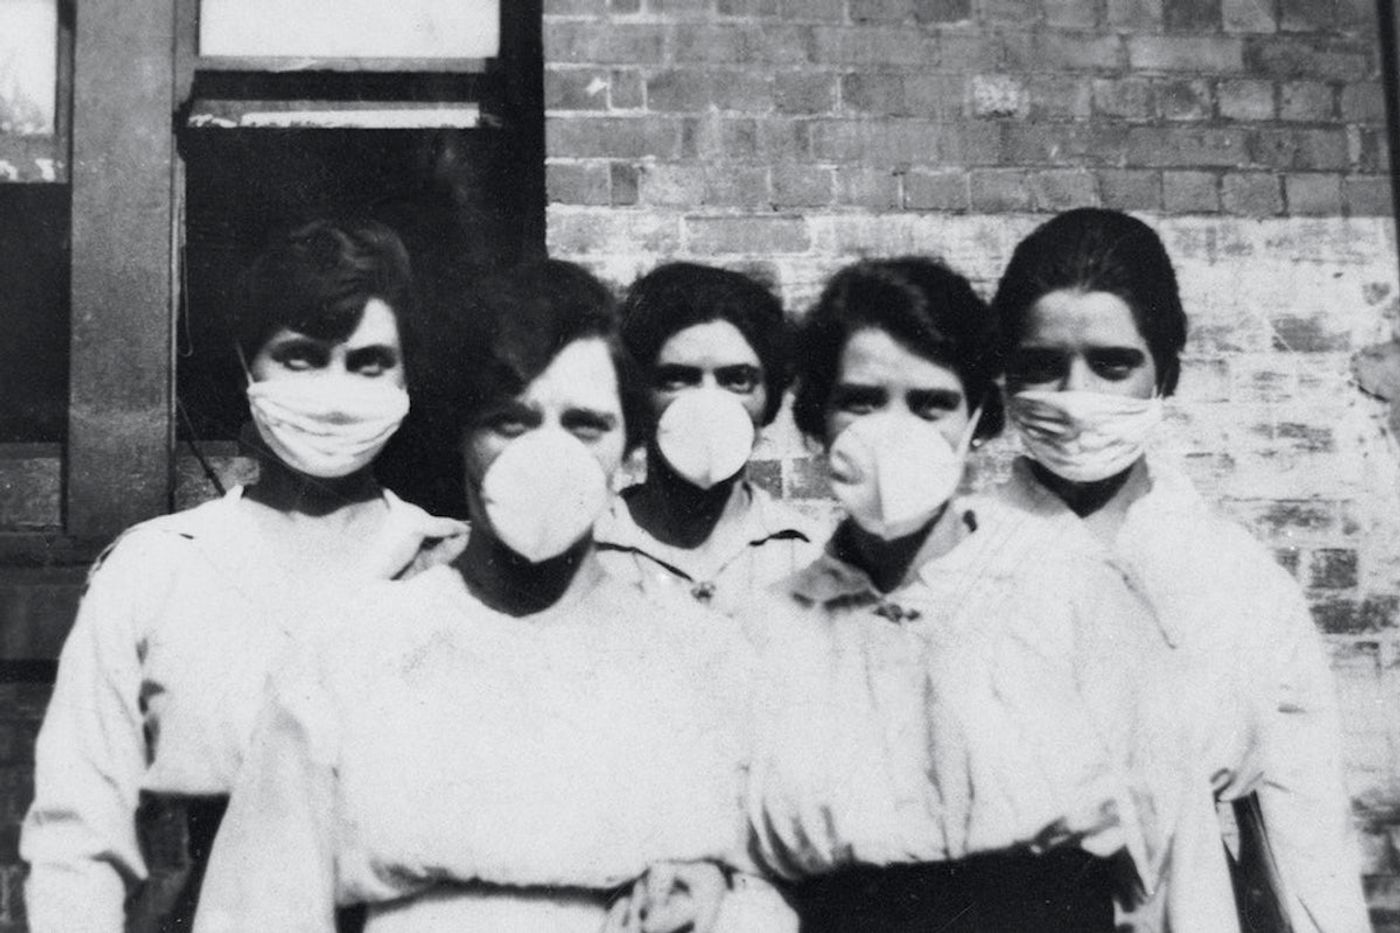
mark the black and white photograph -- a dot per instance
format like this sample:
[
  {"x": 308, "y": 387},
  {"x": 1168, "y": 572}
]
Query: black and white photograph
[{"x": 699, "y": 466}]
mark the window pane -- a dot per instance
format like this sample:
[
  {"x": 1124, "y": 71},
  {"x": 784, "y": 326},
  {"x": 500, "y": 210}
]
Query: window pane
[
  {"x": 29, "y": 136},
  {"x": 350, "y": 28}
]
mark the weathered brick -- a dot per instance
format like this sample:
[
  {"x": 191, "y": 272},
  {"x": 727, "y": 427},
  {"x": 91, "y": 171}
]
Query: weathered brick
[
  {"x": 1183, "y": 100},
  {"x": 1012, "y": 12},
  {"x": 1299, "y": 149},
  {"x": 1190, "y": 192},
  {"x": 747, "y": 91},
  {"x": 665, "y": 184},
  {"x": 942, "y": 11},
  {"x": 746, "y": 44},
  {"x": 1060, "y": 190},
  {"x": 1369, "y": 150},
  {"x": 626, "y": 89},
  {"x": 1251, "y": 194},
  {"x": 896, "y": 142},
  {"x": 858, "y": 186},
  {"x": 973, "y": 52},
  {"x": 1332, "y": 569},
  {"x": 576, "y": 89},
  {"x": 679, "y": 9},
  {"x": 939, "y": 190},
  {"x": 612, "y": 137},
  {"x": 1307, "y": 15},
  {"x": 592, "y": 8},
  {"x": 1245, "y": 99},
  {"x": 604, "y": 43},
  {"x": 1288, "y": 558},
  {"x": 934, "y": 96},
  {"x": 1072, "y": 14},
  {"x": 1364, "y": 102},
  {"x": 1123, "y": 98},
  {"x": 999, "y": 95},
  {"x": 802, "y": 92},
  {"x": 873, "y": 92},
  {"x": 608, "y": 230},
  {"x": 1065, "y": 52},
  {"x": 1185, "y": 147},
  {"x": 1245, "y": 16},
  {"x": 578, "y": 182},
  {"x": 678, "y": 91},
  {"x": 622, "y": 177},
  {"x": 1307, "y": 57},
  {"x": 1063, "y": 143},
  {"x": 624, "y": 7},
  {"x": 1136, "y": 14},
  {"x": 814, "y": 11},
  {"x": 1308, "y": 101},
  {"x": 1056, "y": 98},
  {"x": 718, "y": 138},
  {"x": 766, "y": 235},
  {"x": 1201, "y": 54},
  {"x": 801, "y": 186},
  {"x": 1315, "y": 194},
  {"x": 999, "y": 191},
  {"x": 881, "y": 11},
  {"x": 747, "y": 8},
  {"x": 1191, "y": 15},
  {"x": 1368, "y": 195},
  {"x": 1130, "y": 189},
  {"x": 872, "y": 47}
]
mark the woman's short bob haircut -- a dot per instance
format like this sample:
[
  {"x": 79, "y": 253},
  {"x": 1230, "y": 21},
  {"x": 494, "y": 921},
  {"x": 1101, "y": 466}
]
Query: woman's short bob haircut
[
  {"x": 317, "y": 279},
  {"x": 1097, "y": 250},
  {"x": 498, "y": 335},
  {"x": 927, "y": 307},
  {"x": 678, "y": 295}
]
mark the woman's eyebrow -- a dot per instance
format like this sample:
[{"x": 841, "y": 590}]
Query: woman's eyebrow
[
  {"x": 598, "y": 416},
  {"x": 948, "y": 398}
]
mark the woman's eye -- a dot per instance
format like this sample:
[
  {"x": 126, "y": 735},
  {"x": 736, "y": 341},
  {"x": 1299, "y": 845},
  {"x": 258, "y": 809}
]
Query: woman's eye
[
  {"x": 586, "y": 427},
  {"x": 508, "y": 426},
  {"x": 742, "y": 381},
  {"x": 1112, "y": 371}
]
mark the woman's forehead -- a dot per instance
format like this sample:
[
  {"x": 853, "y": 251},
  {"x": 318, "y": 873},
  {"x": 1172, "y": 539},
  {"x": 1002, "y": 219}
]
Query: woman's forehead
[
  {"x": 1070, "y": 317},
  {"x": 582, "y": 375}
]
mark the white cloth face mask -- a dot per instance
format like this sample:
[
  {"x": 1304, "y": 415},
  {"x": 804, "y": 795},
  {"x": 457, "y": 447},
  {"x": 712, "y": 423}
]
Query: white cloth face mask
[
  {"x": 543, "y": 493},
  {"x": 706, "y": 436},
  {"x": 329, "y": 425},
  {"x": 893, "y": 472},
  {"x": 1084, "y": 436}
]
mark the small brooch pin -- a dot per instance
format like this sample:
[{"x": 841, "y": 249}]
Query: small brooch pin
[
  {"x": 703, "y": 592},
  {"x": 896, "y": 613}
]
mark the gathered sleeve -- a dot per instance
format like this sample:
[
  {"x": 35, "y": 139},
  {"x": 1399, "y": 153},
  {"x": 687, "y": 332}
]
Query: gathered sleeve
[
  {"x": 273, "y": 866},
  {"x": 1303, "y": 794},
  {"x": 79, "y": 836}
]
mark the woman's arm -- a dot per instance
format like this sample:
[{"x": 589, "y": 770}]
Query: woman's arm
[
  {"x": 273, "y": 864},
  {"x": 1303, "y": 796},
  {"x": 79, "y": 836}
]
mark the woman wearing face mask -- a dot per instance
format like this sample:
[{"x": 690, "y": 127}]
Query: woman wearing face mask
[
  {"x": 950, "y": 739},
  {"x": 161, "y": 678},
  {"x": 713, "y": 344},
  {"x": 499, "y": 744},
  {"x": 1093, "y": 332}
]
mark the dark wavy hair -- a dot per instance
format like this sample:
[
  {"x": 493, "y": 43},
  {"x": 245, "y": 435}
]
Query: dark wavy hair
[
  {"x": 1097, "y": 250},
  {"x": 678, "y": 295},
  {"x": 926, "y": 306},
  {"x": 317, "y": 279},
  {"x": 494, "y": 339}
]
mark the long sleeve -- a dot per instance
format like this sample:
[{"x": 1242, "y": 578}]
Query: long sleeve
[
  {"x": 273, "y": 864},
  {"x": 79, "y": 836},
  {"x": 1303, "y": 795}
]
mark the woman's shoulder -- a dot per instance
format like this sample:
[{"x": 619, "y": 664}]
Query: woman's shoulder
[{"x": 164, "y": 541}]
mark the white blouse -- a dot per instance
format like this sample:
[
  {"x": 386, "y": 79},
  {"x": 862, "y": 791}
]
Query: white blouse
[
  {"x": 160, "y": 683},
  {"x": 1261, "y": 694},
  {"x": 763, "y": 542},
  {"x": 1002, "y": 696},
  {"x": 462, "y": 769}
]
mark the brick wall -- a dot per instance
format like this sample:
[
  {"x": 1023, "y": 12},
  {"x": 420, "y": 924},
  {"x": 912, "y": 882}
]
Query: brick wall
[{"x": 787, "y": 137}]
